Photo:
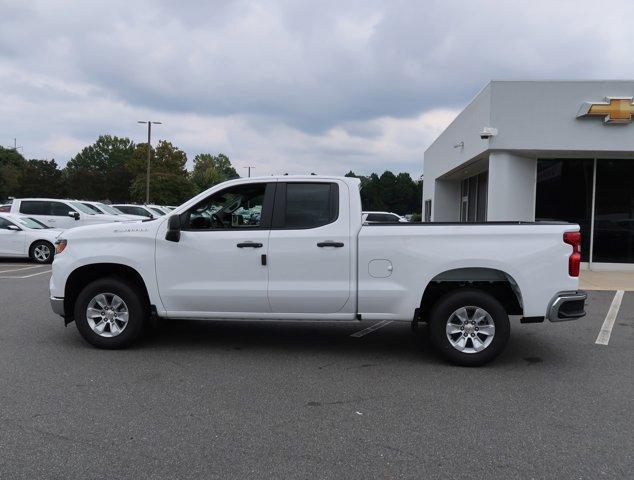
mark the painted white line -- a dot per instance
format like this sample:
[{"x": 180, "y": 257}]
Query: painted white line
[
  {"x": 29, "y": 276},
  {"x": 606, "y": 329},
  {"x": 371, "y": 328},
  {"x": 18, "y": 269}
]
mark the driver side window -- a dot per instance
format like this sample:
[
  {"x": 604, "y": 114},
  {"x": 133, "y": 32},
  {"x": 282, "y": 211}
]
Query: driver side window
[{"x": 234, "y": 208}]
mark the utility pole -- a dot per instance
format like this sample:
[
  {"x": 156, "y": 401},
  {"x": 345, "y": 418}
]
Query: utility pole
[
  {"x": 249, "y": 170},
  {"x": 149, "y": 156},
  {"x": 15, "y": 145}
]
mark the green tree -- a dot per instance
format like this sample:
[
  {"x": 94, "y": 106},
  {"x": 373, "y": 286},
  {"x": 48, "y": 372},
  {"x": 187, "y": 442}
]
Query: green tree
[
  {"x": 209, "y": 170},
  {"x": 99, "y": 171},
  {"x": 41, "y": 178},
  {"x": 11, "y": 165},
  {"x": 169, "y": 179}
]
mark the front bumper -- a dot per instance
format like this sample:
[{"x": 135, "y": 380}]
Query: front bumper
[
  {"x": 57, "y": 304},
  {"x": 567, "y": 306}
]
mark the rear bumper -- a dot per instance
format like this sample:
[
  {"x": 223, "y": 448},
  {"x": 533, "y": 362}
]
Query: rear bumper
[
  {"x": 57, "y": 304},
  {"x": 567, "y": 306}
]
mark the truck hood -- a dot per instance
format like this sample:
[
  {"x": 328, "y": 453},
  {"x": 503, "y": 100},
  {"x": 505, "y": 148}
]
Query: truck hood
[{"x": 114, "y": 230}]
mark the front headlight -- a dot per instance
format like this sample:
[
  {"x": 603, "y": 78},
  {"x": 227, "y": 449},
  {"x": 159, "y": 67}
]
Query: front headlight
[{"x": 60, "y": 246}]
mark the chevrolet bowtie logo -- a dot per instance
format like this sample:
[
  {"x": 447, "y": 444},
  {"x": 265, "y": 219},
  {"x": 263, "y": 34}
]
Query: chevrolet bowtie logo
[{"x": 613, "y": 110}]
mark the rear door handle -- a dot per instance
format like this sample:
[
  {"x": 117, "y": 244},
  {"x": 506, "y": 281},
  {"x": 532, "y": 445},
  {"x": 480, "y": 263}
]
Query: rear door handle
[
  {"x": 249, "y": 245},
  {"x": 330, "y": 244}
]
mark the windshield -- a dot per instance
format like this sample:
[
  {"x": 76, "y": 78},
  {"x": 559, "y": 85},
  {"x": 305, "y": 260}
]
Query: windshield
[
  {"x": 82, "y": 208},
  {"x": 109, "y": 209},
  {"x": 156, "y": 210},
  {"x": 92, "y": 208},
  {"x": 31, "y": 223}
]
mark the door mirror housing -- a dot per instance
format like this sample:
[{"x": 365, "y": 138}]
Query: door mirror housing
[
  {"x": 73, "y": 214},
  {"x": 173, "y": 233}
]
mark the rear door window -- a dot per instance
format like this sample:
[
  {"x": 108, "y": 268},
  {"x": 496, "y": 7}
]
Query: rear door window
[
  {"x": 34, "y": 207},
  {"x": 305, "y": 205}
]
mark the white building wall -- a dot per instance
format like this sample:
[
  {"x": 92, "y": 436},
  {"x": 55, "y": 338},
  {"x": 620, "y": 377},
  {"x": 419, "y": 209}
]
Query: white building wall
[
  {"x": 444, "y": 156},
  {"x": 511, "y": 193},
  {"x": 534, "y": 119}
]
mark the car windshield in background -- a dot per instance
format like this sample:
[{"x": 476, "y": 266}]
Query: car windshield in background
[
  {"x": 156, "y": 210},
  {"x": 92, "y": 208},
  {"x": 108, "y": 209},
  {"x": 31, "y": 223},
  {"x": 82, "y": 208}
]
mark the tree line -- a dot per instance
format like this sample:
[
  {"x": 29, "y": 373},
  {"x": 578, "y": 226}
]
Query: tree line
[
  {"x": 391, "y": 193},
  {"x": 113, "y": 169}
]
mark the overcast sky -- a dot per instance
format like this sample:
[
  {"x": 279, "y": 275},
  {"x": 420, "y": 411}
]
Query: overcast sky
[{"x": 286, "y": 86}]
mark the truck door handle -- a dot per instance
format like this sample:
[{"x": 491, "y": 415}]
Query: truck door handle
[
  {"x": 330, "y": 244},
  {"x": 249, "y": 245}
]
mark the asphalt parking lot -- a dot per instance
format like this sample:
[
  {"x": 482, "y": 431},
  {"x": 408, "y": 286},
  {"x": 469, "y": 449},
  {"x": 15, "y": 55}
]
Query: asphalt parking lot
[{"x": 309, "y": 400}]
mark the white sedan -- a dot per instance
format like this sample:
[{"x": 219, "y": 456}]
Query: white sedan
[{"x": 21, "y": 236}]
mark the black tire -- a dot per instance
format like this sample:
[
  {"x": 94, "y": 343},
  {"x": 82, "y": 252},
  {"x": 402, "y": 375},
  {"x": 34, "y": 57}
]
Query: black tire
[
  {"x": 42, "y": 246},
  {"x": 137, "y": 312},
  {"x": 443, "y": 311}
]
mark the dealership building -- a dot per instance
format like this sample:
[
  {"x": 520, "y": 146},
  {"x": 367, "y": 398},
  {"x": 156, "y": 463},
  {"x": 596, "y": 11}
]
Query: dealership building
[{"x": 542, "y": 150}]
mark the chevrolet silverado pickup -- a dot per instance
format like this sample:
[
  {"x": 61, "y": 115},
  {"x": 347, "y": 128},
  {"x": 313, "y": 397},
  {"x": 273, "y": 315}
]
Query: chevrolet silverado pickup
[{"x": 295, "y": 248}]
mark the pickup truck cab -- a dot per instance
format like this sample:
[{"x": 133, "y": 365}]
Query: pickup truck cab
[{"x": 295, "y": 248}]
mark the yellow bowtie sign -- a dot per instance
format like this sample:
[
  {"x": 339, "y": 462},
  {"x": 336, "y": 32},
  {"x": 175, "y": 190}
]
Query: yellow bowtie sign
[{"x": 613, "y": 110}]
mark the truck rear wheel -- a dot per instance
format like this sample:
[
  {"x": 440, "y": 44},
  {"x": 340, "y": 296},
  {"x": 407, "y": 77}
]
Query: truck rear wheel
[
  {"x": 110, "y": 313},
  {"x": 469, "y": 327}
]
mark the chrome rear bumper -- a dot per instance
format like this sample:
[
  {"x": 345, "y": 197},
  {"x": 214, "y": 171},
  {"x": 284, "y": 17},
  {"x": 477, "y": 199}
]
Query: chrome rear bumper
[{"x": 567, "y": 306}]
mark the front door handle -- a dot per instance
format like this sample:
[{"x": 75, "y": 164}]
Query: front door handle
[
  {"x": 249, "y": 245},
  {"x": 330, "y": 244}
]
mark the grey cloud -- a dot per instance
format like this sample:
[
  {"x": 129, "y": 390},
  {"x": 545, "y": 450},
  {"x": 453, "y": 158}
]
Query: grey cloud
[{"x": 304, "y": 68}]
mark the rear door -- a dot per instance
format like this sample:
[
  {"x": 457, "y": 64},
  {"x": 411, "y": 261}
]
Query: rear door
[{"x": 309, "y": 248}]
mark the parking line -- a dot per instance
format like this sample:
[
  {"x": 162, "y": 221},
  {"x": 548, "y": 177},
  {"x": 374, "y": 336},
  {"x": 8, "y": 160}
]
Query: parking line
[
  {"x": 371, "y": 329},
  {"x": 606, "y": 329},
  {"x": 28, "y": 276},
  {"x": 18, "y": 269}
]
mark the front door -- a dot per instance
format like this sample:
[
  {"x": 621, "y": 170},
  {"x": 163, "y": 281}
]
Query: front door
[
  {"x": 310, "y": 249},
  {"x": 11, "y": 241},
  {"x": 218, "y": 267}
]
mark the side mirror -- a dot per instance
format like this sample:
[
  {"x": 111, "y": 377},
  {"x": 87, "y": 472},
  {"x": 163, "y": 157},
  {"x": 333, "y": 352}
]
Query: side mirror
[
  {"x": 74, "y": 214},
  {"x": 15, "y": 228},
  {"x": 173, "y": 233}
]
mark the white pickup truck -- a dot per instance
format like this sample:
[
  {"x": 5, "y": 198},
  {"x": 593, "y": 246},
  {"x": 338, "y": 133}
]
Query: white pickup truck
[{"x": 295, "y": 248}]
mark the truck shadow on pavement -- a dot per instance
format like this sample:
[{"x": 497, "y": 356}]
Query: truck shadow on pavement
[{"x": 396, "y": 341}]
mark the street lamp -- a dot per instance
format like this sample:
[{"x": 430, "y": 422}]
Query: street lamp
[{"x": 149, "y": 154}]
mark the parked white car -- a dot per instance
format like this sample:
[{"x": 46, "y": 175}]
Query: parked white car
[
  {"x": 382, "y": 217},
  {"x": 22, "y": 236},
  {"x": 58, "y": 213},
  {"x": 308, "y": 256},
  {"x": 139, "y": 210},
  {"x": 160, "y": 210},
  {"x": 105, "y": 209}
]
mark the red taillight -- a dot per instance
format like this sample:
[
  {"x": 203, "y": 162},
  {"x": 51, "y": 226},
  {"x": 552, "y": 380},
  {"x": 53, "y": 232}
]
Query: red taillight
[{"x": 574, "y": 262}]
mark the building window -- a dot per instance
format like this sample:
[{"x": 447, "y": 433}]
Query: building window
[
  {"x": 614, "y": 212},
  {"x": 473, "y": 199},
  {"x": 564, "y": 193},
  {"x": 428, "y": 210}
]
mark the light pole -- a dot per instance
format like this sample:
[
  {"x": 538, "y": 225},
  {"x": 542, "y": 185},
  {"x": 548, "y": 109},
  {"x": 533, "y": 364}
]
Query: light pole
[
  {"x": 149, "y": 155},
  {"x": 249, "y": 170}
]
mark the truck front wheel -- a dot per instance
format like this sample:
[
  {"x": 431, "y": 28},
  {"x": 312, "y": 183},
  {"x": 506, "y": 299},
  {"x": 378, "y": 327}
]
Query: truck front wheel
[
  {"x": 469, "y": 327},
  {"x": 110, "y": 313}
]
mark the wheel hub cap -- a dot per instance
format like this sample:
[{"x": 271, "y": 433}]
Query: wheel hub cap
[
  {"x": 470, "y": 329},
  {"x": 107, "y": 314}
]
